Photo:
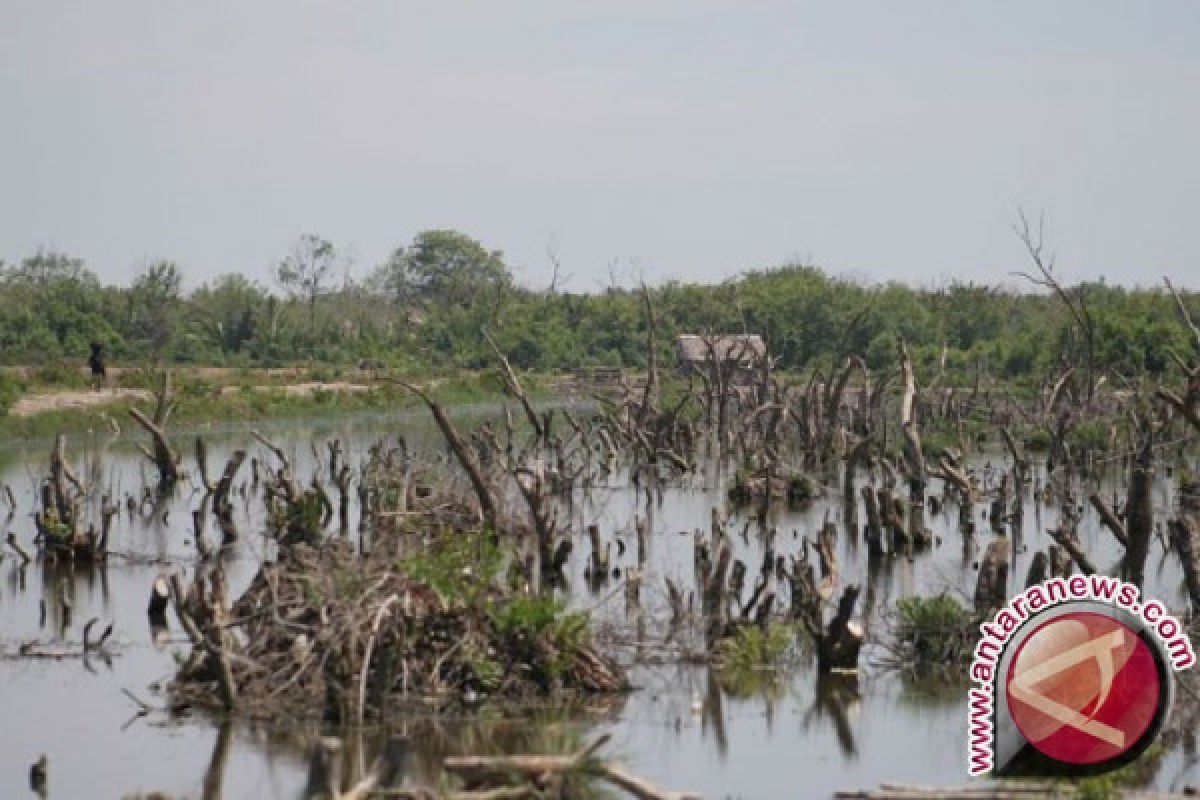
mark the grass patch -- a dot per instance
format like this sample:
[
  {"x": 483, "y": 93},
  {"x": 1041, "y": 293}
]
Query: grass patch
[
  {"x": 199, "y": 400},
  {"x": 749, "y": 662},
  {"x": 934, "y": 633}
]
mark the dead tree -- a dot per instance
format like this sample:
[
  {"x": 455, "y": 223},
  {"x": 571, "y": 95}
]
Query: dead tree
[
  {"x": 1185, "y": 535},
  {"x": 1136, "y": 530},
  {"x": 162, "y": 456},
  {"x": 60, "y": 521},
  {"x": 465, "y": 455},
  {"x": 222, "y": 506},
  {"x": 723, "y": 365},
  {"x": 217, "y": 494},
  {"x": 833, "y": 402},
  {"x": 1187, "y": 405},
  {"x": 991, "y": 589},
  {"x": 295, "y": 514},
  {"x": 837, "y": 643},
  {"x": 1039, "y": 566},
  {"x": 914, "y": 456},
  {"x": 858, "y": 456},
  {"x": 1020, "y": 462},
  {"x": 1068, "y": 539},
  {"x": 513, "y": 384},
  {"x": 950, "y": 469},
  {"x": 1075, "y": 300},
  {"x": 650, "y": 393}
]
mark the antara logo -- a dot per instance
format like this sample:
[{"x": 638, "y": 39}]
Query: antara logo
[{"x": 1074, "y": 676}]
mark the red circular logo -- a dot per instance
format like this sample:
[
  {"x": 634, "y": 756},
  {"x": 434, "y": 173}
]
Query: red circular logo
[{"x": 1083, "y": 688}]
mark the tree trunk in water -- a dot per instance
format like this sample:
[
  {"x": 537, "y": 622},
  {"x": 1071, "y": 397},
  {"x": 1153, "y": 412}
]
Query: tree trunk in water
[{"x": 1139, "y": 514}]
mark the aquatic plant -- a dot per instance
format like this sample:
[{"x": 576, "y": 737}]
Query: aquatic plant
[{"x": 933, "y": 632}]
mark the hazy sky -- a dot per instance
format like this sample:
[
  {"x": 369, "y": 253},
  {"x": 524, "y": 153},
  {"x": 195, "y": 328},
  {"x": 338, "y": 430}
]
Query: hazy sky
[{"x": 691, "y": 139}]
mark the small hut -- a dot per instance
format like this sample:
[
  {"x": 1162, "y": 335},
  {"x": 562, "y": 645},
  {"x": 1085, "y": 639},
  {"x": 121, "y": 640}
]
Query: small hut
[{"x": 696, "y": 353}]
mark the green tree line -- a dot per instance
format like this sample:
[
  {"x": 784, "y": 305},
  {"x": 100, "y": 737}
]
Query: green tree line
[{"x": 427, "y": 304}]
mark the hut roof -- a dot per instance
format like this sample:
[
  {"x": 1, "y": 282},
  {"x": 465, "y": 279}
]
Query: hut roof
[{"x": 745, "y": 347}]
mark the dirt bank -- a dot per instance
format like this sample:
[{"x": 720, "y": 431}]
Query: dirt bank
[{"x": 35, "y": 403}]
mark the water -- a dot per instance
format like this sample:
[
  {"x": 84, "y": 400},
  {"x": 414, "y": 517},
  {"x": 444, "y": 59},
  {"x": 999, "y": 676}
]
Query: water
[{"x": 800, "y": 737}]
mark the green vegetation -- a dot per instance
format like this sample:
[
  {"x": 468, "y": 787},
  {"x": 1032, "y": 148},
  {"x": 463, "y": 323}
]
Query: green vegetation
[
  {"x": 10, "y": 390},
  {"x": 1134, "y": 774},
  {"x": 462, "y": 568},
  {"x": 428, "y": 303},
  {"x": 748, "y": 662},
  {"x": 934, "y": 632},
  {"x": 198, "y": 402}
]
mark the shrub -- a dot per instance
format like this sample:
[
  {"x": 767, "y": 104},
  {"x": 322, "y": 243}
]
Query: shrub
[
  {"x": 934, "y": 631},
  {"x": 10, "y": 390},
  {"x": 748, "y": 659},
  {"x": 460, "y": 568},
  {"x": 59, "y": 375}
]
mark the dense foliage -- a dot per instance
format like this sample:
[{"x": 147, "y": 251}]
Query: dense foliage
[{"x": 427, "y": 305}]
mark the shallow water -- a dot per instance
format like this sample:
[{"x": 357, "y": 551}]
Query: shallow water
[{"x": 802, "y": 738}]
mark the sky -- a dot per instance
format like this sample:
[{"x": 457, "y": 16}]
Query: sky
[{"x": 634, "y": 139}]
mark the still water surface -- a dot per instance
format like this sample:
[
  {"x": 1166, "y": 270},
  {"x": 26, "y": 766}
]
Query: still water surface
[{"x": 798, "y": 738}]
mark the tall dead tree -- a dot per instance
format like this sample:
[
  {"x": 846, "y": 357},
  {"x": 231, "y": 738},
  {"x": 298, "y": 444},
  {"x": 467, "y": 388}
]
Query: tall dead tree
[
  {"x": 914, "y": 456},
  {"x": 1074, "y": 300},
  {"x": 513, "y": 384},
  {"x": 463, "y": 452},
  {"x": 1187, "y": 405},
  {"x": 650, "y": 393},
  {"x": 1139, "y": 503}
]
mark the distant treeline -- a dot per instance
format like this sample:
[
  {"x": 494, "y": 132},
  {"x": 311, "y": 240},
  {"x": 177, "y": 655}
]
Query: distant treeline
[{"x": 426, "y": 306}]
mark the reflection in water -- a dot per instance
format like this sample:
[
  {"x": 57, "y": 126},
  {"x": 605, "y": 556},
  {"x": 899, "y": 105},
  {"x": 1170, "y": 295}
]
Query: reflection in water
[
  {"x": 837, "y": 699},
  {"x": 214, "y": 776}
]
